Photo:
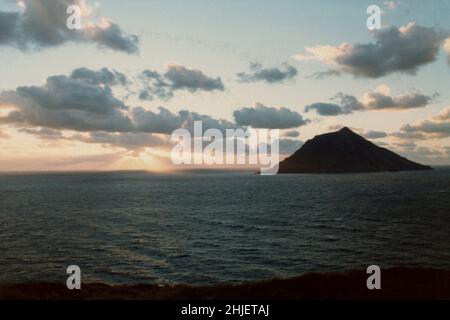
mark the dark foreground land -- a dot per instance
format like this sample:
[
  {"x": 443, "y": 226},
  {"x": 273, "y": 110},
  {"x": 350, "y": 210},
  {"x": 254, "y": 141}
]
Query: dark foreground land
[{"x": 397, "y": 283}]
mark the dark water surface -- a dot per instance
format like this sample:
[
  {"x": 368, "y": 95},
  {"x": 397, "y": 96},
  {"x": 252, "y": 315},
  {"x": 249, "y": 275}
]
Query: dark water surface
[{"x": 219, "y": 227}]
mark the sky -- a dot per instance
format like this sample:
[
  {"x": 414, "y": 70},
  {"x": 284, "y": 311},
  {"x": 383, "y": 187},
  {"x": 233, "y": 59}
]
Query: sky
[{"x": 108, "y": 96}]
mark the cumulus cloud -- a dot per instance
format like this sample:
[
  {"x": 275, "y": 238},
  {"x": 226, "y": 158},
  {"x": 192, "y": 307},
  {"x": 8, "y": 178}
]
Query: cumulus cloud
[
  {"x": 103, "y": 76},
  {"x": 149, "y": 129},
  {"x": 447, "y": 48},
  {"x": 373, "y": 134},
  {"x": 270, "y": 75},
  {"x": 443, "y": 115},
  {"x": 435, "y": 127},
  {"x": 379, "y": 99},
  {"x": 165, "y": 122},
  {"x": 176, "y": 77},
  {"x": 403, "y": 50},
  {"x": 327, "y": 109},
  {"x": 423, "y": 154},
  {"x": 85, "y": 102},
  {"x": 66, "y": 103},
  {"x": 261, "y": 116},
  {"x": 43, "y": 24},
  {"x": 291, "y": 134},
  {"x": 191, "y": 79},
  {"x": 82, "y": 107},
  {"x": 344, "y": 104}
]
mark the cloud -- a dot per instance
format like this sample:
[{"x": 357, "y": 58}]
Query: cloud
[
  {"x": 103, "y": 76},
  {"x": 208, "y": 122},
  {"x": 190, "y": 79},
  {"x": 421, "y": 154},
  {"x": 428, "y": 152},
  {"x": 85, "y": 102},
  {"x": 134, "y": 141},
  {"x": 408, "y": 135},
  {"x": 326, "y": 109},
  {"x": 443, "y": 115},
  {"x": 176, "y": 77},
  {"x": 429, "y": 129},
  {"x": 155, "y": 86},
  {"x": 345, "y": 104},
  {"x": 150, "y": 129},
  {"x": 447, "y": 48},
  {"x": 44, "y": 133},
  {"x": 291, "y": 134},
  {"x": 324, "y": 74},
  {"x": 43, "y": 24},
  {"x": 165, "y": 122},
  {"x": 380, "y": 99},
  {"x": 8, "y": 25},
  {"x": 270, "y": 75},
  {"x": 406, "y": 145},
  {"x": 111, "y": 36},
  {"x": 289, "y": 146},
  {"x": 66, "y": 103},
  {"x": 373, "y": 134},
  {"x": 127, "y": 140},
  {"x": 82, "y": 107},
  {"x": 435, "y": 127},
  {"x": 402, "y": 50},
  {"x": 262, "y": 116}
]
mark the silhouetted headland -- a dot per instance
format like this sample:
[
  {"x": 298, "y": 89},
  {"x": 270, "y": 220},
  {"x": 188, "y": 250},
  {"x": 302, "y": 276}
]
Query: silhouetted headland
[
  {"x": 396, "y": 283},
  {"x": 344, "y": 151}
]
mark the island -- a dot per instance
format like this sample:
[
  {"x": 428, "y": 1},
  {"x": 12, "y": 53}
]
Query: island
[{"x": 344, "y": 151}]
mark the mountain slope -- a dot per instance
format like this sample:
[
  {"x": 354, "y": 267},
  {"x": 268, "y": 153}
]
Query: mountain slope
[{"x": 344, "y": 151}]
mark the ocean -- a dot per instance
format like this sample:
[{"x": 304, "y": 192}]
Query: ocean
[{"x": 214, "y": 227}]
